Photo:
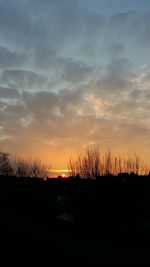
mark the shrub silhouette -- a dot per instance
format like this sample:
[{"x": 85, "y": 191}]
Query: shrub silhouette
[{"x": 92, "y": 164}]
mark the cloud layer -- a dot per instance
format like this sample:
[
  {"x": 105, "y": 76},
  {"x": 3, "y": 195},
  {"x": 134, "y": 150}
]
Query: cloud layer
[{"x": 73, "y": 75}]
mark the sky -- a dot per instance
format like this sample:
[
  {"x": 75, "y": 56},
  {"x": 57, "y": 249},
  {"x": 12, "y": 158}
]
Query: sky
[{"x": 74, "y": 74}]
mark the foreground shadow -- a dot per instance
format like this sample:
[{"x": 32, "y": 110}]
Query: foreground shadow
[{"x": 75, "y": 220}]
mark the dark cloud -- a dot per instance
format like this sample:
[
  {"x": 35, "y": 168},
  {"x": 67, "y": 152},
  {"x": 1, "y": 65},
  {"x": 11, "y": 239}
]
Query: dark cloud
[
  {"x": 64, "y": 68},
  {"x": 62, "y": 23},
  {"x": 117, "y": 78},
  {"x": 22, "y": 79},
  {"x": 8, "y": 93},
  {"x": 44, "y": 59},
  {"x": 115, "y": 50},
  {"x": 133, "y": 25},
  {"x": 76, "y": 72},
  {"x": 9, "y": 59}
]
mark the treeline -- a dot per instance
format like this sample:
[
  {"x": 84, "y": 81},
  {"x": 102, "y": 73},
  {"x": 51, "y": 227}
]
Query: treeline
[
  {"x": 19, "y": 167},
  {"x": 92, "y": 164}
]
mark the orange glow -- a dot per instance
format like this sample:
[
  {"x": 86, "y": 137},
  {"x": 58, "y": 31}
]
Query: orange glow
[{"x": 64, "y": 173}]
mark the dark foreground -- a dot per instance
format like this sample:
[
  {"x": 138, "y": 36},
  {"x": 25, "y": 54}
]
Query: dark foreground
[{"x": 70, "y": 222}]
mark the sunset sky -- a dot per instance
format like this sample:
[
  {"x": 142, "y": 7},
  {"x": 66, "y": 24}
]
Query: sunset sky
[{"x": 74, "y": 74}]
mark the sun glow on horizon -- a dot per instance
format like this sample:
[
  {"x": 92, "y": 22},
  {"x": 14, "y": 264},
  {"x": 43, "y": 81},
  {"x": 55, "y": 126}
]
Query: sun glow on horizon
[{"x": 64, "y": 173}]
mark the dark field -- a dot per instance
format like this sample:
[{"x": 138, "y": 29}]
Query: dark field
[{"x": 75, "y": 222}]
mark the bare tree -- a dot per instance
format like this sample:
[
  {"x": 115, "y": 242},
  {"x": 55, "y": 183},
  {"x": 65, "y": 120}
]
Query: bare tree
[
  {"x": 5, "y": 164},
  {"x": 21, "y": 167},
  {"x": 38, "y": 169},
  {"x": 33, "y": 168}
]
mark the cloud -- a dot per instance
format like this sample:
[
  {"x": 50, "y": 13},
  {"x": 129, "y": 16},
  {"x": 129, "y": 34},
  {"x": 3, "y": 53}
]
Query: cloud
[
  {"x": 132, "y": 24},
  {"x": 117, "y": 78},
  {"x": 69, "y": 75},
  {"x": 64, "y": 68},
  {"x": 9, "y": 59},
  {"x": 76, "y": 72},
  {"x": 8, "y": 93},
  {"x": 73, "y": 114},
  {"x": 22, "y": 79},
  {"x": 42, "y": 117},
  {"x": 115, "y": 50}
]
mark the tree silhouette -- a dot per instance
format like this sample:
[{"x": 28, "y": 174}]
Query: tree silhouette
[
  {"x": 5, "y": 164},
  {"x": 33, "y": 168},
  {"x": 19, "y": 167}
]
